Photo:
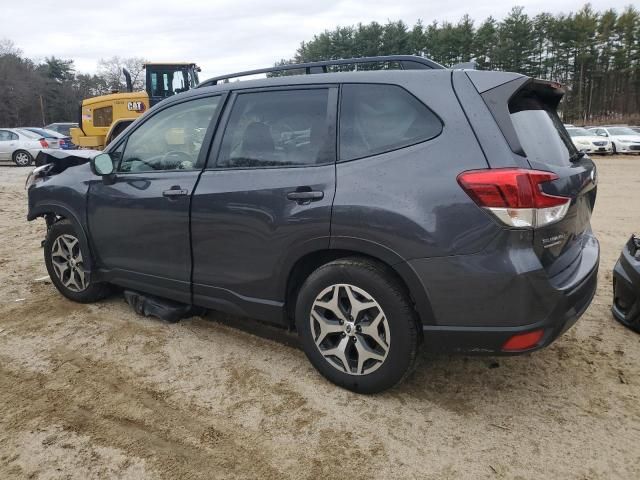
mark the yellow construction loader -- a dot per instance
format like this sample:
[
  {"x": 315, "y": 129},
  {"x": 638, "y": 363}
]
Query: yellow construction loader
[{"x": 103, "y": 118}]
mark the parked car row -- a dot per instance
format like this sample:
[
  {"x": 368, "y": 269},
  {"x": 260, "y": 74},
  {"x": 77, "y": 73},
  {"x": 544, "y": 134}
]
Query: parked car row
[
  {"x": 623, "y": 139},
  {"x": 605, "y": 139},
  {"x": 22, "y": 145},
  {"x": 587, "y": 141}
]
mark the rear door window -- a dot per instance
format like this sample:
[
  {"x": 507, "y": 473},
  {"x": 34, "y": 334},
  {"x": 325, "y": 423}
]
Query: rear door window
[
  {"x": 379, "y": 118},
  {"x": 279, "y": 128},
  {"x": 541, "y": 132}
]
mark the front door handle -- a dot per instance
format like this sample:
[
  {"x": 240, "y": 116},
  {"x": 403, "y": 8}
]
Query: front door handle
[
  {"x": 305, "y": 196},
  {"x": 175, "y": 192}
]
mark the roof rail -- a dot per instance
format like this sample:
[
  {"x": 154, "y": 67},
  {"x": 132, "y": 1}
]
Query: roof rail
[
  {"x": 472, "y": 65},
  {"x": 407, "y": 62}
]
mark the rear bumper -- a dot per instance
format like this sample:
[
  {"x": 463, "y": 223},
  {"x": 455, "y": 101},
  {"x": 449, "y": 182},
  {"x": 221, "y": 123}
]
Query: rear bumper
[
  {"x": 626, "y": 289},
  {"x": 498, "y": 304}
]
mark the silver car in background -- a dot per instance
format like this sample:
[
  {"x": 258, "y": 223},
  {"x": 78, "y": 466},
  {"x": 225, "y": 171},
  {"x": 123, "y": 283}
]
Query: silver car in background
[
  {"x": 21, "y": 146},
  {"x": 587, "y": 141},
  {"x": 623, "y": 139},
  {"x": 52, "y": 138}
]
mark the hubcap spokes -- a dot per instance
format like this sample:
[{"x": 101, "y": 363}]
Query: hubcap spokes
[
  {"x": 66, "y": 259},
  {"x": 350, "y": 329}
]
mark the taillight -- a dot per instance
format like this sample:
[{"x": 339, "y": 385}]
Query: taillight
[
  {"x": 44, "y": 143},
  {"x": 514, "y": 196}
]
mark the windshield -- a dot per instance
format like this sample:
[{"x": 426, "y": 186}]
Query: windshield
[
  {"x": 62, "y": 128},
  {"x": 621, "y": 131},
  {"x": 579, "y": 132},
  {"x": 165, "y": 83}
]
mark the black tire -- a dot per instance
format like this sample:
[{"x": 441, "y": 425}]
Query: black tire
[
  {"x": 93, "y": 291},
  {"x": 22, "y": 158},
  {"x": 613, "y": 149},
  {"x": 382, "y": 286}
]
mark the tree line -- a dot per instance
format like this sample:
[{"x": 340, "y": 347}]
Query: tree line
[
  {"x": 38, "y": 93},
  {"x": 596, "y": 55}
]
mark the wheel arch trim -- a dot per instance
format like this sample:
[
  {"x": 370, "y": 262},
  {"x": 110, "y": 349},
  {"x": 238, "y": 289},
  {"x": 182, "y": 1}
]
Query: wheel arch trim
[
  {"x": 65, "y": 212},
  {"x": 341, "y": 247}
]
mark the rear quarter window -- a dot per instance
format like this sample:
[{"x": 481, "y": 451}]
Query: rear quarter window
[{"x": 380, "y": 118}]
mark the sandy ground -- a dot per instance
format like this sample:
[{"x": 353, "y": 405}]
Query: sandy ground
[{"x": 99, "y": 392}]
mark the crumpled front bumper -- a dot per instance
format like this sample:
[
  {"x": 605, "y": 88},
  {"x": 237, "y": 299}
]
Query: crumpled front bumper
[{"x": 626, "y": 285}]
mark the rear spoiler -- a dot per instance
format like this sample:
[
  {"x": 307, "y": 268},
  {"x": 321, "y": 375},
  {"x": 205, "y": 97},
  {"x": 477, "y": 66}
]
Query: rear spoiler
[{"x": 499, "y": 89}]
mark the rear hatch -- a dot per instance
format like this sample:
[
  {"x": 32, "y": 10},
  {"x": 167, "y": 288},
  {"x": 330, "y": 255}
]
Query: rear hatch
[{"x": 547, "y": 146}]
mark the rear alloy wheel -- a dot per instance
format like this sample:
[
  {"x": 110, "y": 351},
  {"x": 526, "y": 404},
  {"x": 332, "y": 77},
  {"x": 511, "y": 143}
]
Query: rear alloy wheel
[
  {"x": 357, "y": 325},
  {"x": 22, "y": 158},
  {"x": 350, "y": 329}
]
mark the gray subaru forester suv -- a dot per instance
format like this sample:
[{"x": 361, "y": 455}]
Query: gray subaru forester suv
[{"x": 372, "y": 211}]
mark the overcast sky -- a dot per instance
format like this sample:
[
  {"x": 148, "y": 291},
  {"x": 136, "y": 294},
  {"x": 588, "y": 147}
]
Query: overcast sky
[{"x": 220, "y": 35}]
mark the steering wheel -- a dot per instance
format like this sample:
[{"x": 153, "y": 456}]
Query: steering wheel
[
  {"x": 133, "y": 160},
  {"x": 174, "y": 156}
]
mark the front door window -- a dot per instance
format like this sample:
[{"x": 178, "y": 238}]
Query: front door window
[{"x": 171, "y": 139}]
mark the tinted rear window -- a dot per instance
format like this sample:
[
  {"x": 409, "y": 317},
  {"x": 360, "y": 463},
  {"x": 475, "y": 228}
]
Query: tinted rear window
[
  {"x": 541, "y": 132},
  {"x": 379, "y": 118}
]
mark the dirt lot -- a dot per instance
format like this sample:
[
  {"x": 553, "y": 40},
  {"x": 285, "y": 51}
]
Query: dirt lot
[{"x": 98, "y": 392}]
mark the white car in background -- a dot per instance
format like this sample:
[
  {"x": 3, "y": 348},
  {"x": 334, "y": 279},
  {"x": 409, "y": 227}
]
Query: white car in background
[
  {"x": 623, "y": 139},
  {"x": 588, "y": 141},
  {"x": 20, "y": 146}
]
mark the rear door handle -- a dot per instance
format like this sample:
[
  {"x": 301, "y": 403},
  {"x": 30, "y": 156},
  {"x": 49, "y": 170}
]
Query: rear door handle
[
  {"x": 305, "y": 196},
  {"x": 175, "y": 192}
]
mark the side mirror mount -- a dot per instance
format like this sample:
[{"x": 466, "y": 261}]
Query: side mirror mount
[{"x": 102, "y": 164}]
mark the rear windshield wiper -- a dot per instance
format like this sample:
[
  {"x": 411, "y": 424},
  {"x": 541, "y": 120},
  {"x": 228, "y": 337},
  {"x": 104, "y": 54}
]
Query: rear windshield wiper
[{"x": 575, "y": 157}]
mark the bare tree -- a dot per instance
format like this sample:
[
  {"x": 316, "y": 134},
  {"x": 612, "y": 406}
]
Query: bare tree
[
  {"x": 110, "y": 70},
  {"x": 7, "y": 47}
]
